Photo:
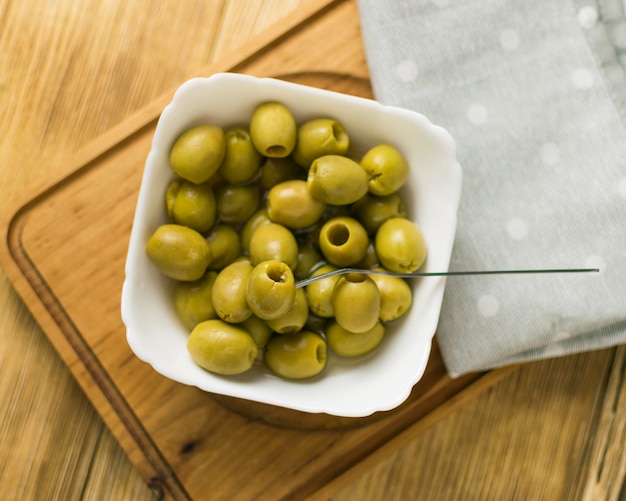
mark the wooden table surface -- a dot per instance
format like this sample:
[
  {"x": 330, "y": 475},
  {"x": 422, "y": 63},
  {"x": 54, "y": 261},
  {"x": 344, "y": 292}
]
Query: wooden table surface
[{"x": 69, "y": 71}]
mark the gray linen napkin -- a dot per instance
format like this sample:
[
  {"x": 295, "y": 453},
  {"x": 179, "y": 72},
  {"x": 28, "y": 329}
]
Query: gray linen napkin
[{"x": 534, "y": 93}]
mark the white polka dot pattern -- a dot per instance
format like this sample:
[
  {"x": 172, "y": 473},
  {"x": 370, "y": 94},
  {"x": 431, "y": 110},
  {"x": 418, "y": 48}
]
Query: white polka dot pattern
[
  {"x": 587, "y": 17},
  {"x": 582, "y": 78},
  {"x": 517, "y": 229},
  {"x": 406, "y": 71},
  {"x": 488, "y": 305},
  {"x": 477, "y": 114},
  {"x": 509, "y": 39}
]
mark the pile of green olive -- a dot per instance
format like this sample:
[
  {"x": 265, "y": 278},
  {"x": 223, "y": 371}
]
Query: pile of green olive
[{"x": 252, "y": 209}]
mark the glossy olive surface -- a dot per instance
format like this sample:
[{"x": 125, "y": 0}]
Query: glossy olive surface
[
  {"x": 193, "y": 300},
  {"x": 320, "y": 293},
  {"x": 191, "y": 204},
  {"x": 353, "y": 344},
  {"x": 343, "y": 241},
  {"x": 396, "y": 296},
  {"x": 179, "y": 252},
  {"x": 198, "y": 152},
  {"x": 356, "y": 302},
  {"x": 337, "y": 180},
  {"x": 387, "y": 169},
  {"x": 273, "y": 242},
  {"x": 295, "y": 318},
  {"x": 220, "y": 347},
  {"x": 372, "y": 210},
  {"x": 400, "y": 245},
  {"x": 319, "y": 137},
  {"x": 273, "y": 130},
  {"x": 229, "y": 292},
  {"x": 296, "y": 356},
  {"x": 291, "y": 204},
  {"x": 241, "y": 160},
  {"x": 225, "y": 246},
  {"x": 271, "y": 289}
]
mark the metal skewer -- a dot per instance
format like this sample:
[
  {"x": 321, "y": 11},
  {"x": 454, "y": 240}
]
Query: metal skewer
[{"x": 344, "y": 271}]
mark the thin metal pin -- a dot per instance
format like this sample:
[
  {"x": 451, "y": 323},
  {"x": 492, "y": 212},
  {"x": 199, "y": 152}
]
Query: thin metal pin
[{"x": 344, "y": 271}]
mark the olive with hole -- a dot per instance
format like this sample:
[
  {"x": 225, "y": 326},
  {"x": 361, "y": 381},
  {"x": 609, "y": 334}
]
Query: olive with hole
[
  {"x": 356, "y": 302},
  {"x": 236, "y": 203},
  {"x": 343, "y": 241},
  {"x": 179, "y": 252},
  {"x": 241, "y": 161},
  {"x": 273, "y": 130},
  {"x": 198, "y": 152},
  {"x": 372, "y": 210},
  {"x": 387, "y": 169},
  {"x": 225, "y": 246},
  {"x": 271, "y": 289},
  {"x": 396, "y": 296},
  {"x": 295, "y": 318},
  {"x": 273, "y": 242},
  {"x": 193, "y": 302},
  {"x": 320, "y": 293},
  {"x": 229, "y": 292},
  {"x": 291, "y": 204},
  {"x": 297, "y": 356},
  {"x": 353, "y": 344},
  {"x": 336, "y": 180},
  {"x": 400, "y": 245},
  {"x": 319, "y": 137},
  {"x": 222, "y": 348}
]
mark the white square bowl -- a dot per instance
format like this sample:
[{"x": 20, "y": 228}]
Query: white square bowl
[{"x": 351, "y": 388}]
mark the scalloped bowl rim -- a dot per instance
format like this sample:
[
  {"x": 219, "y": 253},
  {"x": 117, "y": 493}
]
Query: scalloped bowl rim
[{"x": 350, "y": 388}]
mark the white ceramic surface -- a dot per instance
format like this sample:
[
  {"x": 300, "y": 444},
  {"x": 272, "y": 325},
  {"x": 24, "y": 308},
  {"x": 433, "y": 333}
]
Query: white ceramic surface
[{"x": 384, "y": 379}]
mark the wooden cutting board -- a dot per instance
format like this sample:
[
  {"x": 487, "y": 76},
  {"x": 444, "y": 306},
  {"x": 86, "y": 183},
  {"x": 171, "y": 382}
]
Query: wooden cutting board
[{"x": 65, "y": 248}]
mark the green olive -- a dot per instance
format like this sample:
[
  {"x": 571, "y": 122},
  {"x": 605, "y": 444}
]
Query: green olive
[
  {"x": 290, "y": 203},
  {"x": 259, "y": 218},
  {"x": 179, "y": 252},
  {"x": 370, "y": 259},
  {"x": 229, "y": 292},
  {"x": 192, "y": 300},
  {"x": 277, "y": 170},
  {"x": 271, "y": 289},
  {"x": 372, "y": 211},
  {"x": 295, "y": 319},
  {"x": 191, "y": 205},
  {"x": 224, "y": 243},
  {"x": 337, "y": 180},
  {"x": 198, "y": 152},
  {"x": 319, "y": 137},
  {"x": 236, "y": 203},
  {"x": 320, "y": 293},
  {"x": 297, "y": 356},
  {"x": 242, "y": 161},
  {"x": 395, "y": 296},
  {"x": 309, "y": 259},
  {"x": 356, "y": 302},
  {"x": 273, "y": 130},
  {"x": 400, "y": 245},
  {"x": 353, "y": 344},
  {"x": 386, "y": 168},
  {"x": 343, "y": 241},
  {"x": 273, "y": 242},
  {"x": 258, "y": 329},
  {"x": 221, "y": 348}
]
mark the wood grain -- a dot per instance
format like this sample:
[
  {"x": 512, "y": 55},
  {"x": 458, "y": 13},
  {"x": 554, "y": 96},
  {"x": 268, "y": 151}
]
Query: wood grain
[{"x": 64, "y": 81}]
